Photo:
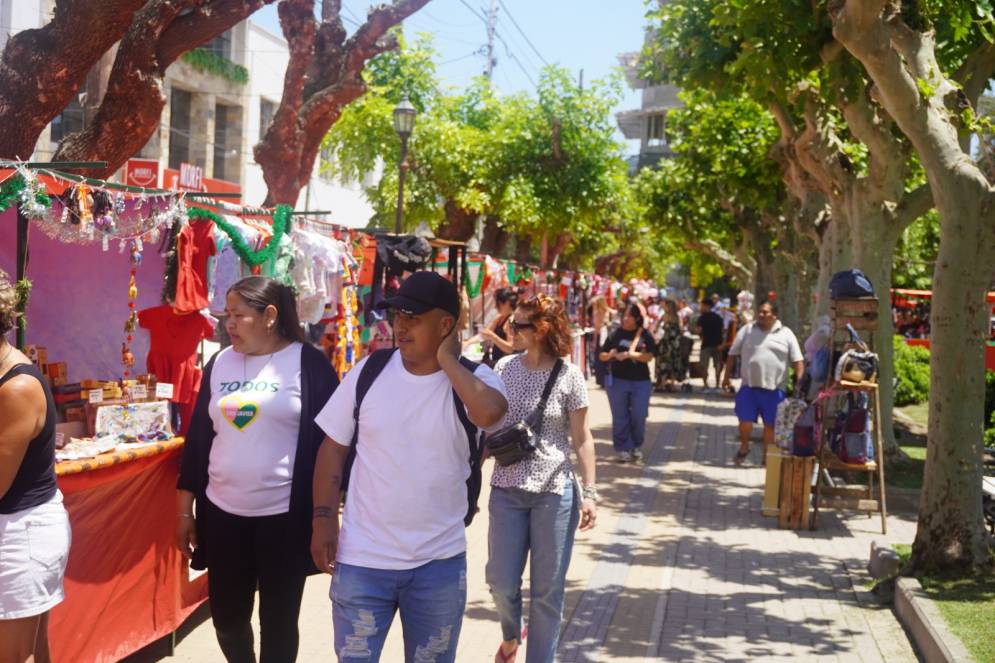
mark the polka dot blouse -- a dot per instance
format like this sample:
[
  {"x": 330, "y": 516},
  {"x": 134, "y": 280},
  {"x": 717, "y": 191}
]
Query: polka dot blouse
[{"x": 548, "y": 470}]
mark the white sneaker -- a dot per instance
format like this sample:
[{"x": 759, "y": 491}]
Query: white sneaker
[
  {"x": 637, "y": 454},
  {"x": 624, "y": 456}
]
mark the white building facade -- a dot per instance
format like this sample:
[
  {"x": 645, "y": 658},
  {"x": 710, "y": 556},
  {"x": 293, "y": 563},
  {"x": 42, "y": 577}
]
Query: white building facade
[{"x": 220, "y": 100}]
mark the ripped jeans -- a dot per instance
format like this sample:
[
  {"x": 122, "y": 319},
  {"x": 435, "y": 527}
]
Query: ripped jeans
[{"x": 431, "y": 599}]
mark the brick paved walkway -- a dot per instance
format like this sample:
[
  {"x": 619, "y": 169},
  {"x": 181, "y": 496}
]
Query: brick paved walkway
[{"x": 683, "y": 566}]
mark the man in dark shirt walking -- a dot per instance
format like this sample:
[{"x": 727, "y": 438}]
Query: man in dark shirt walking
[{"x": 711, "y": 329}]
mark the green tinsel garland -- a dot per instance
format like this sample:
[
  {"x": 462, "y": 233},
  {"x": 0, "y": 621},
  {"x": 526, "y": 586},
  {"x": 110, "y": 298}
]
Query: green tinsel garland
[
  {"x": 281, "y": 217},
  {"x": 22, "y": 293},
  {"x": 474, "y": 289},
  {"x": 11, "y": 189}
]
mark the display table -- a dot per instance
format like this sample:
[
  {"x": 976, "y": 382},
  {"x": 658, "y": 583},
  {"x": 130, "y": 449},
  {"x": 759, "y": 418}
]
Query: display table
[{"x": 126, "y": 583}]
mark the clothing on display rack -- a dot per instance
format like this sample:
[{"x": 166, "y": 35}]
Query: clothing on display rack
[{"x": 194, "y": 245}]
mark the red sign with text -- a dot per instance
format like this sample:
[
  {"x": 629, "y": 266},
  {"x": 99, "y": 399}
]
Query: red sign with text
[{"x": 142, "y": 172}]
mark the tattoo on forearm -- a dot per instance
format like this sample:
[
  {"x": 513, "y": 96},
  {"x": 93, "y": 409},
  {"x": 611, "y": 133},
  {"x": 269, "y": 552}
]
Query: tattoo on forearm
[
  {"x": 335, "y": 480},
  {"x": 322, "y": 512}
]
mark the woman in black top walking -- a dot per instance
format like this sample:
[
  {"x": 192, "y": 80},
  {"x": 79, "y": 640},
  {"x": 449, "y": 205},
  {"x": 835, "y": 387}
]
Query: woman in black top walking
[
  {"x": 628, "y": 351},
  {"x": 34, "y": 526}
]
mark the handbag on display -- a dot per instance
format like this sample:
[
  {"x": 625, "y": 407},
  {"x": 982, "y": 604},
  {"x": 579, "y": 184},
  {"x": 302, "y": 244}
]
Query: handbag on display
[
  {"x": 788, "y": 412},
  {"x": 803, "y": 438},
  {"x": 519, "y": 441},
  {"x": 857, "y": 363}
]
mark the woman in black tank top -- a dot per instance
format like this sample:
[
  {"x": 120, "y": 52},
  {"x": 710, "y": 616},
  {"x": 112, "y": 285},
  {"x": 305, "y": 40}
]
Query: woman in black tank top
[
  {"x": 498, "y": 344},
  {"x": 30, "y": 504}
]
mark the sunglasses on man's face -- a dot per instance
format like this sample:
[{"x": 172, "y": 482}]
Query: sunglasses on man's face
[{"x": 519, "y": 326}]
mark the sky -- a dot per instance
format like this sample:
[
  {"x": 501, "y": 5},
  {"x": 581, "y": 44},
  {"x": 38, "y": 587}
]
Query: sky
[{"x": 577, "y": 34}]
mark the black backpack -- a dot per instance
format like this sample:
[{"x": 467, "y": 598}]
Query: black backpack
[{"x": 367, "y": 375}]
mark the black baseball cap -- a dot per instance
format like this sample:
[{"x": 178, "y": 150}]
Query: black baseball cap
[{"x": 422, "y": 292}]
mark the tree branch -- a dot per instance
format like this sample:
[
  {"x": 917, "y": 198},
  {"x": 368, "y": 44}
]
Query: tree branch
[
  {"x": 976, "y": 71},
  {"x": 42, "y": 69},
  {"x": 132, "y": 106},
  {"x": 913, "y": 205},
  {"x": 324, "y": 76},
  {"x": 743, "y": 272}
]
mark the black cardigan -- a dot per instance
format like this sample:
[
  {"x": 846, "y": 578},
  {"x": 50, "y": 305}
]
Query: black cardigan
[{"x": 318, "y": 381}]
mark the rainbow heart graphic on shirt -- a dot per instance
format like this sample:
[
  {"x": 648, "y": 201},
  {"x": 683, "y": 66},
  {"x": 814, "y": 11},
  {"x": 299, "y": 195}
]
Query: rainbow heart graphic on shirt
[{"x": 239, "y": 413}]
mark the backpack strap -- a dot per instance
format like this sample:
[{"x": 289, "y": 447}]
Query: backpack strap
[
  {"x": 373, "y": 367},
  {"x": 474, "y": 482}
]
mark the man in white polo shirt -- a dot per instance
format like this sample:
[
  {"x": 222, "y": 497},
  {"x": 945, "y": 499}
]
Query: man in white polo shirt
[
  {"x": 402, "y": 545},
  {"x": 767, "y": 349}
]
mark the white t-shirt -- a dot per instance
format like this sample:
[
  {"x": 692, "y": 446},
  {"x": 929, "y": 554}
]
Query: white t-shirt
[
  {"x": 407, "y": 489},
  {"x": 766, "y": 355},
  {"x": 256, "y": 410}
]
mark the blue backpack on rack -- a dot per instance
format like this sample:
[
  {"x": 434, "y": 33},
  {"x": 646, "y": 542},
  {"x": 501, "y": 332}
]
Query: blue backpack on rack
[{"x": 850, "y": 284}]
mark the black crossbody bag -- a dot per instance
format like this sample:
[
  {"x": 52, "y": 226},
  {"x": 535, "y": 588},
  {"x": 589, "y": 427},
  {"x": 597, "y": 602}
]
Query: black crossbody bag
[{"x": 518, "y": 441}]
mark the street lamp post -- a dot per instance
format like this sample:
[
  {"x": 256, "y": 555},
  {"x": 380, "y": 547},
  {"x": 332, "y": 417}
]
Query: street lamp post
[{"x": 404, "y": 124}]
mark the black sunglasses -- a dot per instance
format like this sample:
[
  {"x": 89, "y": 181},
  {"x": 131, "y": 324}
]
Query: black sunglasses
[{"x": 518, "y": 326}]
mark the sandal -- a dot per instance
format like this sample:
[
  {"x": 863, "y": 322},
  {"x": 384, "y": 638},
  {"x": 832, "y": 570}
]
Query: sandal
[
  {"x": 740, "y": 456},
  {"x": 501, "y": 657}
]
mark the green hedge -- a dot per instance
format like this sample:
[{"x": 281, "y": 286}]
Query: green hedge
[
  {"x": 912, "y": 383},
  {"x": 911, "y": 373}
]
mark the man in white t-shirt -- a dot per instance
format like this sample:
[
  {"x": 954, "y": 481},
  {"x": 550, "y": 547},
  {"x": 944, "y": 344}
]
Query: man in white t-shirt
[
  {"x": 402, "y": 545},
  {"x": 768, "y": 349}
]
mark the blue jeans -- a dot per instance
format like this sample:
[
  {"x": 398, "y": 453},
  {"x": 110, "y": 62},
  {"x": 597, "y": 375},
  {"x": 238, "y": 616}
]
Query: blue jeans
[
  {"x": 431, "y": 599},
  {"x": 542, "y": 524},
  {"x": 629, "y": 401}
]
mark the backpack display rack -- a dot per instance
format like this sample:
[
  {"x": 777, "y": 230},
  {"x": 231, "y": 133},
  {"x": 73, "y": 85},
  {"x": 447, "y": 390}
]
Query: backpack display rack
[{"x": 860, "y": 314}]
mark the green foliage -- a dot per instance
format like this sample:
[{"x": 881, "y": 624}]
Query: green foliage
[
  {"x": 546, "y": 163},
  {"x": 719, "y": 180},
  {"x": 212, "y": 63},
  {"x": 916, "y": 254},
  {"x": 911, "y": 373}
]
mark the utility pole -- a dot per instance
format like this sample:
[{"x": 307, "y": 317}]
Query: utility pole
[
  {"x": 580, "y": 84},
  {"x": 491, "y": 29}
]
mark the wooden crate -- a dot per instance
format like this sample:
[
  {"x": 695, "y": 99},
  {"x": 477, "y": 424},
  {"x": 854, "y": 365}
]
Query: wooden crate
[
  {"x": 796, "y": 491},
  {"x": 861, "y": 314}
]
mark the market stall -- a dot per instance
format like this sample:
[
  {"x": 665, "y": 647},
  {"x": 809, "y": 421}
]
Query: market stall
[
  {"x": 126, "y": 583},
  {"x": 126, "y": 286}
]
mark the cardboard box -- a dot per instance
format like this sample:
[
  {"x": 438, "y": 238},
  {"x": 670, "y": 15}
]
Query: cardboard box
[{"x": 57, "y": 370}]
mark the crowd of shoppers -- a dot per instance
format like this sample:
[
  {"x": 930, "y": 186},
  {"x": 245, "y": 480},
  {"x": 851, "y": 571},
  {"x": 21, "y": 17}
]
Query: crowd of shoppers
[{"x": 276, "y": 445}]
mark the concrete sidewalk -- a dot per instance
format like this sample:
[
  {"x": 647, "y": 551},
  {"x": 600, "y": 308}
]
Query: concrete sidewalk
[{"x": 682, "y": 566}]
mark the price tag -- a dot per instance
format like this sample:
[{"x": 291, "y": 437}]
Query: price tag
[
  {"x": 138, "y": 392},
  {"x": 163, "y": 390},
  {"x": 60, "y": 440},
  {"x": 95, "y": 396}
]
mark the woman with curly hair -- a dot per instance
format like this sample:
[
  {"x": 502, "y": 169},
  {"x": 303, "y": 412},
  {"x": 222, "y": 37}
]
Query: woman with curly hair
[
  {"x": 537, "y": 503},
  {"x": 34, "y": 526}
]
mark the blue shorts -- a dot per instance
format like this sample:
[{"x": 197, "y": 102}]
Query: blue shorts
[{"x": 753, "y": 401}]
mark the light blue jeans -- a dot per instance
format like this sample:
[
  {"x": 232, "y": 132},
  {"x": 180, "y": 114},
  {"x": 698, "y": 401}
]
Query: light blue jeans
[
  {"x": 543, "y": 525},
  {"x": 431, "y": 599},
  {"x": 629, "y": 401}
]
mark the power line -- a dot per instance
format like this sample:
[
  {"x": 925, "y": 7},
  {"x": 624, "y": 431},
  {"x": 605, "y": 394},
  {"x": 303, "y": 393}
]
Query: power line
[
  {"x": 522, "y": 32},
  {"x": 462, "y": 57}
]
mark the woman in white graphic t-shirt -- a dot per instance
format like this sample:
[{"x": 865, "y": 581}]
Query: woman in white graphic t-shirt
[
  {"x": 248, "y": 462},
  {"x": 537, "y": 503}
]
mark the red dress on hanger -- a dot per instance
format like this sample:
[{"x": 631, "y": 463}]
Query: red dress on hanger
[
  {"x": 173, "y": 351},
  {"x": 194, "y": 245}
]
